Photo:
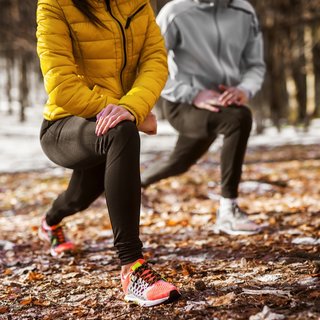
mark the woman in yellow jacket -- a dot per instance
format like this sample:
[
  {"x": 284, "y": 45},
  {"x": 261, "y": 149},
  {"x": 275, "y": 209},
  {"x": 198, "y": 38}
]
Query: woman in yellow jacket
[{"x": 104, "y": 66}]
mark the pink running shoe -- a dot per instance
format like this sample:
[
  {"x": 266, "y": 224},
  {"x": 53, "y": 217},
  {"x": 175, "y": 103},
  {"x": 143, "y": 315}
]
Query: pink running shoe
[
  {"x": 56, "y": 237},
  {"x": 146, "y": 287}
]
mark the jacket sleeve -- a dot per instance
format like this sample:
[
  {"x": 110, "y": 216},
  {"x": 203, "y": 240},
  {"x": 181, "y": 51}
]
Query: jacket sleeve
[
  {"x": 175, "y": 90},
  {"x": 152, "y": 73},
  {"x": 252, "y": 65},
  {"x": 62, "y": 83}
]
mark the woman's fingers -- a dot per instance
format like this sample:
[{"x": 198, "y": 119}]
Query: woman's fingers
[
  {"x": 110, "y": 116},
  {"x": 105, "y": 111},
  {"x": 104, "y": 123},
  {"x": 112, "y": 122},
  {"x": 102, "y": 118},
  {"x": 117, "y": 120}
]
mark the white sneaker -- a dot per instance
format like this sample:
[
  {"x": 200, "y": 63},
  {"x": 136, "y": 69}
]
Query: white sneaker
[{"x": 235, "y": 222}]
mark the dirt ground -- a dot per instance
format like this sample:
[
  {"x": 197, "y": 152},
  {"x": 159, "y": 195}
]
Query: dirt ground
[{"x": 272, "y": 275}]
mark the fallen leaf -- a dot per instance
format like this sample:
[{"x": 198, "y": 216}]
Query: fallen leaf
[
  {"x": 223, "y": 300},
  {"x": 43, "y": 303},
  {"x": 3, "y": 309},
  {"x": 7, "y": 272},
  {"x": 34, "y": 276},
  {"x": 26, "y": 301}
]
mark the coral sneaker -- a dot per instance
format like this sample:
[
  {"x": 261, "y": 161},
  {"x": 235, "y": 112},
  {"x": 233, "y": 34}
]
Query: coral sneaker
[
  {"x": 56, "y": 237},
  {"x": 146, "y": 287}
]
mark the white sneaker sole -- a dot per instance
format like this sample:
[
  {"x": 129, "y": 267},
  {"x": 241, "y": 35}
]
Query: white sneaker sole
[
  {"x": 231, "y": 232},
  {"x": 174, "y": 295}
]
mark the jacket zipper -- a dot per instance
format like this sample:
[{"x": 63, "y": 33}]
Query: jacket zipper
[
  {"x": 219, "y": 44},
  {"x": 124, "y": 43},
  {"x": 129, "y": 19}
]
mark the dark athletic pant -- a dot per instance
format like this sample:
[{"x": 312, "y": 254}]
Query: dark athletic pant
[
  {"x": 197, "y": 129},
  {"x": 107, "y": 164}
]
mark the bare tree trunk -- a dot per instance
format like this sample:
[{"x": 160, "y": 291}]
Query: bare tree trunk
[
  {"x": 9, "y": 71},
  {"x": 154, "y": 5},
  {"x": 299, "y": 73},
  {"x": 316, "y": 66},
  {"x": 276, "y": 78},
  {"x": 161, "y": 3},
  {"x": 23, "y": 88},
  {"x": 260, "y": 108}
]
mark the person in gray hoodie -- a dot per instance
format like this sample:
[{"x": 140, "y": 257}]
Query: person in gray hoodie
[{"x": 216, "y": 65}]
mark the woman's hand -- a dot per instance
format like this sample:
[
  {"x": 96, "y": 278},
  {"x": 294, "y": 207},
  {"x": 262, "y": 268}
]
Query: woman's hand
[
  {"x": 149, "y": 125},
  {"x": 207, "y": 99},
  {"x": 110, "y": 116}
]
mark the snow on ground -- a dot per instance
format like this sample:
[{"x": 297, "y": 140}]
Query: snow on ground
[{"x": 21, "y": 151}]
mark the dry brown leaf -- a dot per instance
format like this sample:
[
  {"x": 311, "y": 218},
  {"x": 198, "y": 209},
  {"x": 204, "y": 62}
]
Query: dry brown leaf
[
  {"x": 223, "y": 300},
  {"x": 71, "y": 275},
  {"x": 173, "y": 223},
  {"x": 43, "y": 303},
  {"x": 215, "y": 262},
  {"x": 34, "y": 228},
  {"x": 34, "y": 276},
  {"x": 26, "y": 301},
  {"x": 187, "y": 269},
  {"x": 4, "y": 309},
  {"x": 7, "y": 272}
]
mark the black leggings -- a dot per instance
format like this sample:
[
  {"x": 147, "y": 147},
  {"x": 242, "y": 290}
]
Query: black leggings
[
  {"x": 109, "y": 164},
  {"x": 197, "y": 129}
]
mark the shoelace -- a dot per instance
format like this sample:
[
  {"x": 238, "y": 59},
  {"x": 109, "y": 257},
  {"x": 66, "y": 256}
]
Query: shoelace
[
  {"x": 147, "y": 274},
  {"x": 238, "y": 213},
  {"x": 59, "y": 235}
]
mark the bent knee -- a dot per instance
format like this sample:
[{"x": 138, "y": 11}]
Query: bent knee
[
  {"x": 123, "y": 133},
  {"x": 243, "y": 116},
  {"x": 126, "y": 128}
]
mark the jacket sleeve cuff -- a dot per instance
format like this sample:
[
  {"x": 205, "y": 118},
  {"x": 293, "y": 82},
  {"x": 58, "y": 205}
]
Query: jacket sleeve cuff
[
  {"x": 248, "y": 92},
  {"x": 192, "y": 94}
]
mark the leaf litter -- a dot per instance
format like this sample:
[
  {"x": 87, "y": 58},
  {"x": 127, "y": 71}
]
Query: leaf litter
[{"x": 272, "y": 275}]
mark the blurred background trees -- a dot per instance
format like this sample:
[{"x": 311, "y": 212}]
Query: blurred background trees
[
  {"x": 291, "y": 91},
  {"x": 291, "y": 29},
  {"x": 18, "y": 59}
]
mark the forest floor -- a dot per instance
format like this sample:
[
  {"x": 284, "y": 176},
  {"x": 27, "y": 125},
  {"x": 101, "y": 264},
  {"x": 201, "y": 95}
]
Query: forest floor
[{"x": 272, "y": 275}]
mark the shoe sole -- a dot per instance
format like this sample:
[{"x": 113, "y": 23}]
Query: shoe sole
[
  {"x": 173, "y": 295},
  {"x": 235, "y": 232}
]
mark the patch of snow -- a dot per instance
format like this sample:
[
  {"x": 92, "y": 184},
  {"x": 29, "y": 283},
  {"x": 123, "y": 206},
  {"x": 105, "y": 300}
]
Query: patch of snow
[
  {"x": 269, "y": 278},
  {"x": 308, "y": 281},
  {"x": 21, "y": 150},
  {"x": 267, "y": 314},
  {"x": 6, "y": 245},
  {"x": 306, "y": 241},
  {"x": 195, "y": 305},
  {"x": 271, "y": 291},
  {"x": 291, "y": 232},
  {"x": 255, "y": 187}
]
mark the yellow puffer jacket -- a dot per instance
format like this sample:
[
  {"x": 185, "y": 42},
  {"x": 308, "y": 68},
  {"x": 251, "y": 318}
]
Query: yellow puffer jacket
[{"x": 87, "y": 67}]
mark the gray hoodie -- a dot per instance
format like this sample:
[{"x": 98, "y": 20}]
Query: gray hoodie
[{"x": 210, "y": 43}]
